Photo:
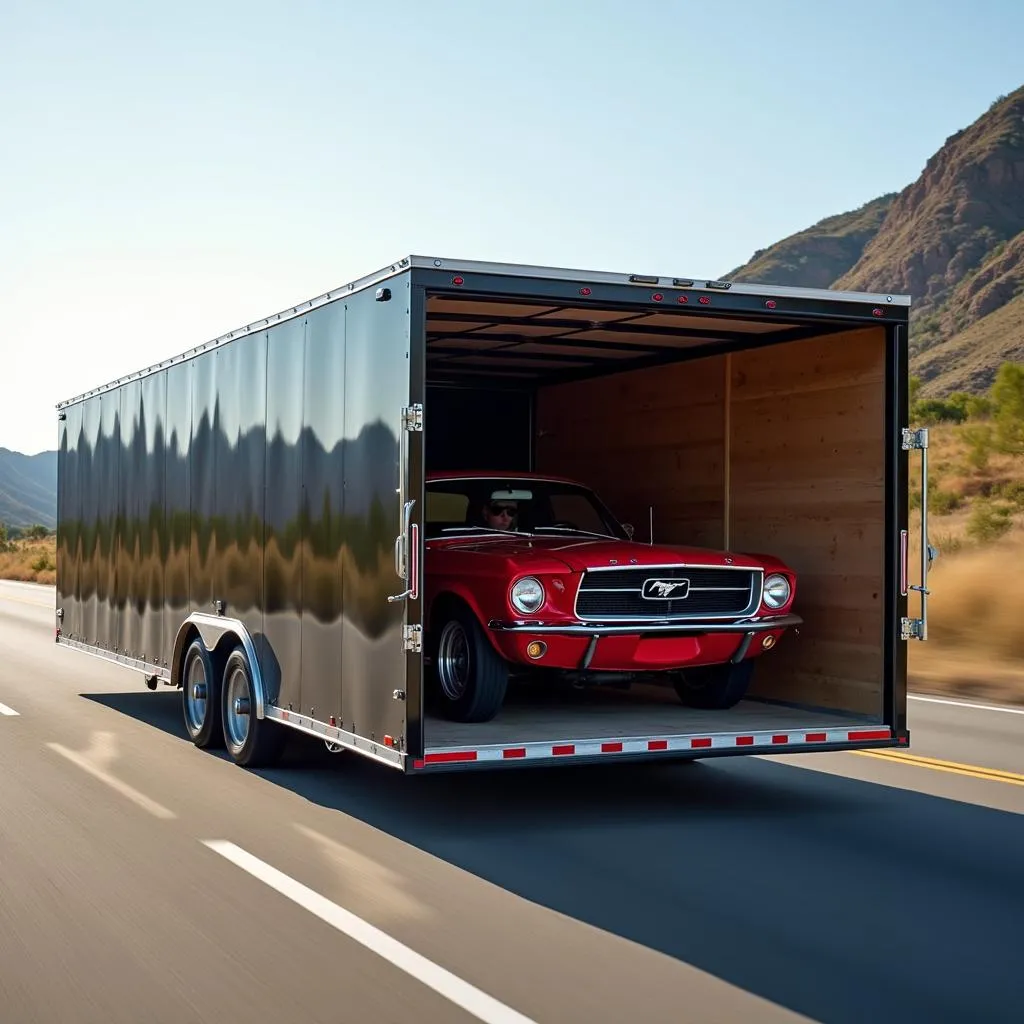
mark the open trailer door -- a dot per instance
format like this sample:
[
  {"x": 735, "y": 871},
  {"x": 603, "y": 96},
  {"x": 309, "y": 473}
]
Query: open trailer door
[{"x": 379, "y": 525}]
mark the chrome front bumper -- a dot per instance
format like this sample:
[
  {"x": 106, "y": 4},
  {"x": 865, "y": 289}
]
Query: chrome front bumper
[{"x": 646, "y": 626}]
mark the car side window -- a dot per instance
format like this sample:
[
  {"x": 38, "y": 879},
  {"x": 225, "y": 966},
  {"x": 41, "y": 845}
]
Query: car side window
[{"x": 443, "y": 508}]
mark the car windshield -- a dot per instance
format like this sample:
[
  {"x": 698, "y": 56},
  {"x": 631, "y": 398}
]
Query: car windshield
[{"x": 518, "y": 505}]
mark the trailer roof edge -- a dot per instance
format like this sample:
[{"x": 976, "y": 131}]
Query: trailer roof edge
[{"x": 659, "y": 280}]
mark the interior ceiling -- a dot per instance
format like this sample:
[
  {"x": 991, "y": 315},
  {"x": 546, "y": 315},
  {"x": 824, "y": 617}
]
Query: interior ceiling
[{"x": 473, "y": 340}]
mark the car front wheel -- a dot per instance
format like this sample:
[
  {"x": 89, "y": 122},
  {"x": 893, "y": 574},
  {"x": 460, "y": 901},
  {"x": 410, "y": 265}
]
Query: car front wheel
[{"x": 471, "y": 677}]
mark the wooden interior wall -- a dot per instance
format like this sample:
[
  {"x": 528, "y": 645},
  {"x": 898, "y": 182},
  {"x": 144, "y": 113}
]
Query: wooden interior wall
[
  {"x": 652, "y": 436},
  {"x": 804, "y": 480},
  {"x": 807, "y": 469}
]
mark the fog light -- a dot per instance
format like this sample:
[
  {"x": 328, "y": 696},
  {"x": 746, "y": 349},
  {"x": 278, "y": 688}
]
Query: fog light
[
  {"x": 536, "y": 648},
  {"x": 768, "y": 641}
]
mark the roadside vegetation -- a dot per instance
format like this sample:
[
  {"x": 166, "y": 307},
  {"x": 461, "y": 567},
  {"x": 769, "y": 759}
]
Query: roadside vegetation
[
  {"x": 976, "y": 520},
  {"x": 28, "y": 554}
]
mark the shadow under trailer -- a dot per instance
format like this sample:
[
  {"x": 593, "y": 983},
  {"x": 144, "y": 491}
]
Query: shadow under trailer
[{"x": 460, "y": 515}]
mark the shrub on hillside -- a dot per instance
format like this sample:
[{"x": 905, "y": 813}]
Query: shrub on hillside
[
  {"x": 980, "y": 444},
  {"x": 1008, "y": 414},
  {"x": 989, "y": 521},
  {"x": 1013, "y": 492},
  {"x": 940, "y": 502}
]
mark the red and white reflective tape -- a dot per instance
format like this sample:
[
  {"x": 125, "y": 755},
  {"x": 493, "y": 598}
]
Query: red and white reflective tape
[{"x": 747, "y": 742}]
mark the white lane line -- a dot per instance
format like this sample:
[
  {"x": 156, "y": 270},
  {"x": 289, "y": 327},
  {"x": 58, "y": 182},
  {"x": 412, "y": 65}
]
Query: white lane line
[
  {"x": 967, "y": 704},
  {"x": 461, "y": 993},
  {"x": 94, "y": 761},
  {"x": 5, "y": 710}
]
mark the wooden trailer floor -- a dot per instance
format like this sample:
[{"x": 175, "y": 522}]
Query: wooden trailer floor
[{"x": 598, "y": 715}]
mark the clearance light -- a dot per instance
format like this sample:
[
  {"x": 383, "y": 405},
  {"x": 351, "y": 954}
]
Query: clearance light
[
  {"x": 584, "y": 291},
  {"x": 657, "y": 297},
  {"x": 878, "y": 312},
  {"x": 458, "y": 280},
  {"x": 770, "y": 304},
  {"x": 705, "y": 301},
  {"x": 536, "y": 648},
  {"x": 682, "y": 300}
]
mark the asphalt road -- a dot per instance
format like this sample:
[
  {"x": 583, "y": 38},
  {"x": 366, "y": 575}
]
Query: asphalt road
[{"x": 834, "y": 888}]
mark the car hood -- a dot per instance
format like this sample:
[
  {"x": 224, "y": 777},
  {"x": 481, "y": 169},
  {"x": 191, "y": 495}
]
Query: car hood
[{"x": 579, "y": 554}]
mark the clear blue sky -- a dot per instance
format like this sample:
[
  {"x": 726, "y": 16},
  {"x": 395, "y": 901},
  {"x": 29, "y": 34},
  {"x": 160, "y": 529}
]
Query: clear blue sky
[{"x": 172, "y": 171}]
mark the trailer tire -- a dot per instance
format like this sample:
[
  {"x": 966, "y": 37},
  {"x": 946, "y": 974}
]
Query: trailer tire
[
  {"x": 201, "y": 708},
  {"x": 471, "y": 677},
  {"x": 716, "y": 687},
  {"x": 250, "y": 741}
]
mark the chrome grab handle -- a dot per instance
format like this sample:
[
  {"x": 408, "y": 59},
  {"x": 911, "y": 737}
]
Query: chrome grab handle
[
  {"x": 406, "y": 545},
  {"x": 406, "y": 542}
]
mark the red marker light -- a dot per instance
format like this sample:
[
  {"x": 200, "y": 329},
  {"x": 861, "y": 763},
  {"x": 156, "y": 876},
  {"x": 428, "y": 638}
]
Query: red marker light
[
  {"x": 878, "y": 312},
  {"x": 458, "y": 280},
  {"x": 584, "y": 291},
  {"x": 705, "y": 301},
  {"x": 657, "y": 296},
  {"x": 682, "y": 300},
  {"x": 770, "y": 304}
]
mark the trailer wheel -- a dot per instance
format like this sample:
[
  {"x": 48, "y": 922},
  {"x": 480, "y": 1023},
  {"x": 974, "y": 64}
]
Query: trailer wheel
[
  {"x": 714, "y": 686},
  {"x": 472, "y": 678},
  {"x": 252, "y": 742},
  {"x": 200, "y": 697}
]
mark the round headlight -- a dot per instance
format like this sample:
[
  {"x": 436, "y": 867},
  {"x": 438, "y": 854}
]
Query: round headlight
[
  {"x": 527, "y": 595},
  {"x": 776, "y": 591}
]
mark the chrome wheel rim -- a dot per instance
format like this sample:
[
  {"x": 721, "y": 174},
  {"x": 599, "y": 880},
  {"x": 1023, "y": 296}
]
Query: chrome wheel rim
[
  {"x": 197, "y": 690},
  {"x": 236, "y": 723},
  {"x": 453, "y": 661}
]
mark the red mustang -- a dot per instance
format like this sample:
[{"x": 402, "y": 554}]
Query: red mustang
[{"x": 526, "y": 572}]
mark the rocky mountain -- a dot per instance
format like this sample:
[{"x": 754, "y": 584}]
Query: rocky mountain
[
  {"x": 819, "y": 255},
  {"x": 28, "y": 488},
  {"x": 953, "y": 239}
]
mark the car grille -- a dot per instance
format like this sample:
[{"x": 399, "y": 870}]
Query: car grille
[{"x": 618, "y": 593}]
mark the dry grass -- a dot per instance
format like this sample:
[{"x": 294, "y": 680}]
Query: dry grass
[
  {"x": 976, "y": 642},
  {"x": 32, "y": 561}
]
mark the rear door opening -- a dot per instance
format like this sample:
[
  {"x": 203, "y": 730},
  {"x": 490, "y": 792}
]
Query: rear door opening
[{"x": 771, "y": 432}]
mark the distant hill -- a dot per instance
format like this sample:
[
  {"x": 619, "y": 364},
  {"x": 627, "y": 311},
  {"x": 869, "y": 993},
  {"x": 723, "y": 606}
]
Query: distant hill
[
  {"x": 28, "y": 488},
  {"x": 953, "y": 239}
]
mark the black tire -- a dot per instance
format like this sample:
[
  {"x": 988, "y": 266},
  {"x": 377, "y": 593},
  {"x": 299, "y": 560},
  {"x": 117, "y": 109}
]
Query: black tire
[
  {"x": 716, "y": 687},
  {"x": 250, "y": 741},
  {"x": 201, "y": 713},
  {"x": 471, "y": 677}
]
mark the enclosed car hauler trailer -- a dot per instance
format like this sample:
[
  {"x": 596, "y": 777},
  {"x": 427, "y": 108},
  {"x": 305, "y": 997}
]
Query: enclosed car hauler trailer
[{"x": 287, "y": 522}]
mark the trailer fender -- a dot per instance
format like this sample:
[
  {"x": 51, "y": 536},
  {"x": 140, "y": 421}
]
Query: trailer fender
[{"x": 212, "y": 629}]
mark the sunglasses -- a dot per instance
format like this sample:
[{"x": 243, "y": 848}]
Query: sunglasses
[{"x": 498, "y": 510}]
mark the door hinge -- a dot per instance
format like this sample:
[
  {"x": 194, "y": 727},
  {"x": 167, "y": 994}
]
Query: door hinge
[
  {"x": 911, "y": 629},
  {"x": 412, "y": 417},
  {"x": 914, "y": 440},
  {"x": 412, "y": 639}
]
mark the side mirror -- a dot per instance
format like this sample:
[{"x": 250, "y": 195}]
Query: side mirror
[{"x": 628, "y": 527}]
